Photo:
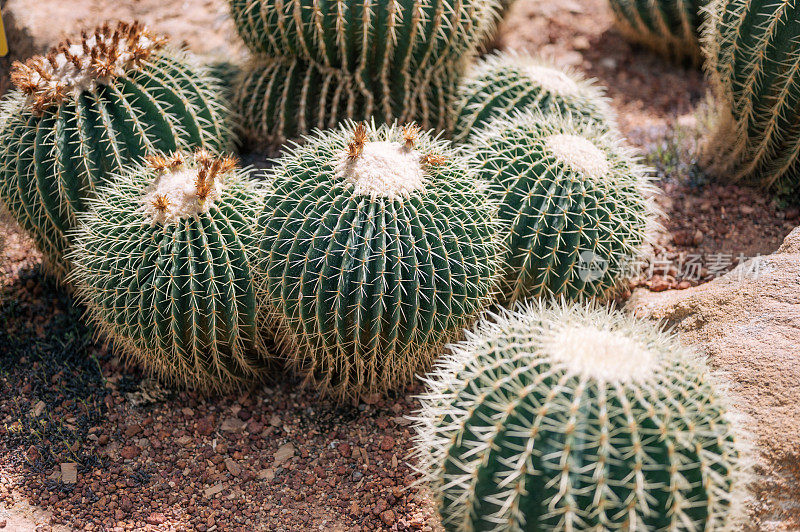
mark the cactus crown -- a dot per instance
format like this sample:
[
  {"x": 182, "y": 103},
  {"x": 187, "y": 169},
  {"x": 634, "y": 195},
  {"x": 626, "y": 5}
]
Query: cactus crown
[
  {"x": 572, "y": 417},
  {"x": 578, "y": 153},
  {"x": 186, "y": 185},
  {"x": 508, "y": 82},
  {"x": 385, "y": 168},
  {"x": 72, "y": 68}
]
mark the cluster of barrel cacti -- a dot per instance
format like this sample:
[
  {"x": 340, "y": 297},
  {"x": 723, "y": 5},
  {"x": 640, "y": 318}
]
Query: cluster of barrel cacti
[{"x": 375, "y": 241}]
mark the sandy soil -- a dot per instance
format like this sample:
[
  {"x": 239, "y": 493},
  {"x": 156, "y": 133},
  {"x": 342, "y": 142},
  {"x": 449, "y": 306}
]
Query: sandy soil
[{"x": 278, "y": 458}]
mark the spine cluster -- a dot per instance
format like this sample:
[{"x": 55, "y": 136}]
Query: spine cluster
[{"x": 96, "y": 58}]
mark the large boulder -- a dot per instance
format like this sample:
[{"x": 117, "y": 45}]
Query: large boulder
[{"x": 748, "y": 323}]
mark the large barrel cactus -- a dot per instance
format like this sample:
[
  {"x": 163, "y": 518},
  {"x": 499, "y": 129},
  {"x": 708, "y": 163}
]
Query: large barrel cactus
[
  {"x": 373, "y": 39},
  {"x": 161, "y": 261},
  {"x": 669, "y": 27},
  {"x": 377, "y": 246},
  {"x": 753, "y": 49},
  {"x": 286, "y": 98},
  {"x": 580, "y": 418},
  {"x": 506, "y": 82},
  {"x": 575, "y": 205},
  {"x": 88, "y": 108}
]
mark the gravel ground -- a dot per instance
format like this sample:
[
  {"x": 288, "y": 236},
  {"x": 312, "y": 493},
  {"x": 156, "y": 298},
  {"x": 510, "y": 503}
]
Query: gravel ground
[{"x": 278, "y": 458}]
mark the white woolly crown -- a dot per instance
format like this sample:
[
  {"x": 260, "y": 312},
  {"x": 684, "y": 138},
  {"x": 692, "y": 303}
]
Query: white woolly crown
[
  {"x": 579, "y": 154},
  {"x": 97, "y": 59},
  {"x": 184, "y": 187},
  {"x": 384, "y": 169}
]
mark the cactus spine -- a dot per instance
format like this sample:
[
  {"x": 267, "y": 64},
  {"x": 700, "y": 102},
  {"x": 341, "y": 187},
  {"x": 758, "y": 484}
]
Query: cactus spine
[
  {"x": 287, "y": 98},
  {"x": 669, "y": 27},
  {"x": 161, "y": 261},
  {"x": 574, "y": 204},
  {"x": 580, "y": 418},
  {"x": 87, "y": 109},
  {"x": 377, "y": 246},
  {"x": 753, "y": 55},
  {"x": 506, "y": 82}
]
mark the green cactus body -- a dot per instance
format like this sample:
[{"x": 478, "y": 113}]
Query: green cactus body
[
  {"x": 373, "y": 40},
  {"x": 88, "y": 109},
  {"x": 507, "y": 82},
  {"x": 161, "y": 261},
  {"x": 575, "y": 206},
  {"x": 669, "y": 27},
  {"x": 287, "y": 98},
  {"x": 580, "y": 418},
  {"x": 377, "y": 246},
  {"x": 753, "y": 53}
]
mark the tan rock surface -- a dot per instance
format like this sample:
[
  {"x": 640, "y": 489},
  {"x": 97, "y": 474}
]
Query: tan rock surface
[{"x": 748, "y": 322}]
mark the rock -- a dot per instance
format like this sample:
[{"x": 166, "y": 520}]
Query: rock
[
  {"x": 233, "y": 424},
  {"x": 38, "y": 408},
  {"x": 344, "y": 450},
  {"x": 205, "y": 426},
  {"x": 232, "y": 467},
  {"x": 387, "y": 443},
  {"x": 69, "y": 473},
  {"x": 266, "y": 474},
  {"x": 129, "y": 452},
  {"x": 388, "y": 517},
  {"x": 284, "y": 453},
  {"x": 748, "y": 323},
  {"x": 156, "y": 519},
  {"x": 213, "y": 490},
  {"x": 697, "y": 238}
]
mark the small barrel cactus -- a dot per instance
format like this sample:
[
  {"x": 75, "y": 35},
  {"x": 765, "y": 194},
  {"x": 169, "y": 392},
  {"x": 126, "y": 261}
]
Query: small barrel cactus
[
  {"x": 506, "y": 82},
  {"x": 752, "y": 49},
  {"x": 161, "y": 260},
  {"x": 580, "y": 418},
  {"x": 88, "y": 108},
  {"x": 377, "y": 245},
  {"x": 287, "y": 98},
  {"x": 576, "y": 207},
  {"x": 669, "y": 27},
  {"x": 372, "y": 40}
]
